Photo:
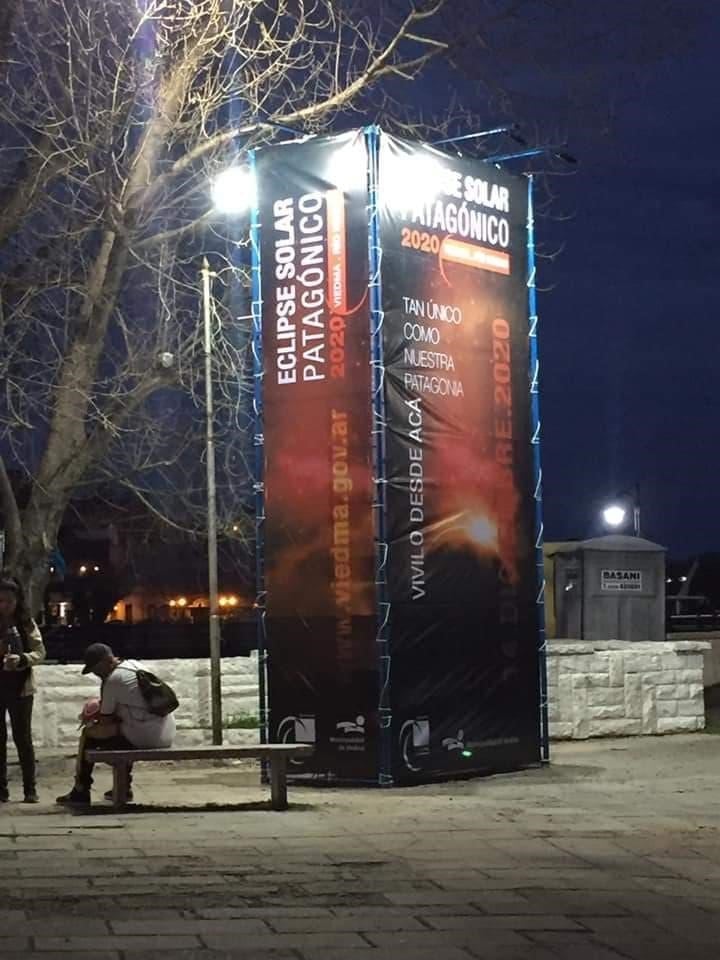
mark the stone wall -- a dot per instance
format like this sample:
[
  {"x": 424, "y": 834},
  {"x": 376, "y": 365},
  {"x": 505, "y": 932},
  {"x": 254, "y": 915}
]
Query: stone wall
[
  {"x": 594, "y": 689},
  {"x": 62, "y": 690},
  {"x": 618, "y": 689}
]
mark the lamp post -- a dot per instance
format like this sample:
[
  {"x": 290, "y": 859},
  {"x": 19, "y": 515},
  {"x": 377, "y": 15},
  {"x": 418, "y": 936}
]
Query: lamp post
[
  {"x": 214, "y": 616},
  {"x": 232, "y": 193}
]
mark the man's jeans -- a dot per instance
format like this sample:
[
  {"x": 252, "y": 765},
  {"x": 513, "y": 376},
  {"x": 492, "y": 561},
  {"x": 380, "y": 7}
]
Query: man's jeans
[
  {"x": 84, "y": 769},
  {"x": 20, "y": 711}
]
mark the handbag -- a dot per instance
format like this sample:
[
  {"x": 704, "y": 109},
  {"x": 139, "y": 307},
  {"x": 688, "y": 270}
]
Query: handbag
[{"x": 159, "y": 697}]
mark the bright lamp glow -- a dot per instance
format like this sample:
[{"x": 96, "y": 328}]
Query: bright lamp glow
[
  {"x": 347, "y": 168},
  {"x": 410, "y": 180},
  {"x": 233, "y": 190},
  {"x": 614, "y": 515}
]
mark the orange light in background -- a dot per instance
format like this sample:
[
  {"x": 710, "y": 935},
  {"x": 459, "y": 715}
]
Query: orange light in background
[
  {"x": 233, "y": 601},
  {"x": 83, "y": 569},
  {"x": 173, "y": 603},
  {"x": 182, "y": 601},
  {"x": 223, "y": 601}
]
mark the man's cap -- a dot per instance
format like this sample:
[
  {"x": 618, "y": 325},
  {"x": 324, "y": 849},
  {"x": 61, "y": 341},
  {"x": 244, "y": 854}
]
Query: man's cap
[{"x": 94, "y": 654}]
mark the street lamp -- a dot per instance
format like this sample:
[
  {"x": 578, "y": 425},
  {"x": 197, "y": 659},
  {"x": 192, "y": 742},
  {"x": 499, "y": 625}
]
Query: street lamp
[
  {"x": 232, "y": 192},
  {"x": 614, "y": 515},
  {"x": 625, "y": 507}
]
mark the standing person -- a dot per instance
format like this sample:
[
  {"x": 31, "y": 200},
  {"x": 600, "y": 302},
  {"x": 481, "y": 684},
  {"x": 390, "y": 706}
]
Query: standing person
[
  {"x": 124, "y": 721},
  {"x": 21, "y": 648}
]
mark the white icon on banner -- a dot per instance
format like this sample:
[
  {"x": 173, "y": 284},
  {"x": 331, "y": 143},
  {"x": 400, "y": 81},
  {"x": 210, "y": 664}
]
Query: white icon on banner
[
  {"x": 352, "y": 726},
  {"x": 297, "y": 730},
  {"x": 455, "y": 743},
  {"x": 414, "y": 742},
  {"x": 350, "y": 735}
]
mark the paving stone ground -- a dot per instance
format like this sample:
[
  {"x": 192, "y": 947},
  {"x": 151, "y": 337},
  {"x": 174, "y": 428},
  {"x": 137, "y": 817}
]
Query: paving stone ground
[{"x": 612, "y": 852}]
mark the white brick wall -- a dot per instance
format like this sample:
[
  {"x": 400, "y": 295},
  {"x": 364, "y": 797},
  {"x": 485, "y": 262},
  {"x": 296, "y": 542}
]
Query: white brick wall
[
  {"x": 621, "y": 689},
  {"x": 594, "y": 690},
  {"x": 62, "y": 690}
]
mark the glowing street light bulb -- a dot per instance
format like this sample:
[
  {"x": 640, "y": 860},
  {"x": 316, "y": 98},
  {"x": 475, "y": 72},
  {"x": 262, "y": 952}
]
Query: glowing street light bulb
[
  {"x": 233, "y": 191},
  {"x": 614, "y": 515}
]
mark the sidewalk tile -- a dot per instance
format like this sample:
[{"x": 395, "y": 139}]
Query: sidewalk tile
[{"x": 131, "y": 944}]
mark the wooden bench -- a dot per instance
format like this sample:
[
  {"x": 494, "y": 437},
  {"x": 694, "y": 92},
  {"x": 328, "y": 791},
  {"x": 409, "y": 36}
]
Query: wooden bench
[{"x": 277, "y": 755}]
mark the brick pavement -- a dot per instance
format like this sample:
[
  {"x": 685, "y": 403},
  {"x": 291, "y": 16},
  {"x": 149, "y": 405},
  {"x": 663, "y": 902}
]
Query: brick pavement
[{"x": 612, "y": 853}]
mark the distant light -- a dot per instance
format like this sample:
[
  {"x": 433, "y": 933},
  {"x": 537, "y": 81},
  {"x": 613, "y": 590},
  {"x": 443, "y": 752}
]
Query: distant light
[
  {"x": 223, "y": 601},
  {"x": 173, "y": 603},
  {"x": 233, "y": 601},
  {"x": 83, "y": 569},
  {"x": 669, "y": 580},
  {"x": 233, "y": 190},
  {"x": 682, "y": 579},
  {"x": 96, "y": 569},
  {"x": 235, "y": 528},
  {"x": 466, "y": 753},
  {"x": 182, "y": 601},
  {"x": 52, "y": 569},
  {"x": 614, "y": 515}
]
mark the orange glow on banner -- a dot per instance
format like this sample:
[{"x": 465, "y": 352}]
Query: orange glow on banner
[
  {"x": 473, "y": 255},
  {"x": 337, "y": 282}
]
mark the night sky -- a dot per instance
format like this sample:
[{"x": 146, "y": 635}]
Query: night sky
[{"x": 629, "y": 341}]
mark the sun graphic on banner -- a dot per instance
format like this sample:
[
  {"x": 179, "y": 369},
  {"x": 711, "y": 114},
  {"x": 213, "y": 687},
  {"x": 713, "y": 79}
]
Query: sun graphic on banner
[{"x": 467, "y": 530}]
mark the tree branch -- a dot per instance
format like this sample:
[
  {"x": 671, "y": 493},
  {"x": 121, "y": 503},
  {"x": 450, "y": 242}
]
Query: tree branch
[{"x": 11, "y": 515}]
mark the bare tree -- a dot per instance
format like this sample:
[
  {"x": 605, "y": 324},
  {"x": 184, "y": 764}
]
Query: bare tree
[{"x": 116, "y": 116}]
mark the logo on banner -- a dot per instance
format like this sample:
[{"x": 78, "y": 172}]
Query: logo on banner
[
  {"x": 455, "y": 743},
  {"x": 350, "y": 735},
  {"x": 300, "y": 729},
  {"x": 415, "y": 742}
]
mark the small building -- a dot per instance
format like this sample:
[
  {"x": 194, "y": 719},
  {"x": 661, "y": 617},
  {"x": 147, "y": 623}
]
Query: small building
[{"x": 607, "y": 588}]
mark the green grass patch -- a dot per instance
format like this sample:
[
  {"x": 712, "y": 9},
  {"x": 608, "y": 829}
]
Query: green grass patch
[{"x": 242, "y": 721}]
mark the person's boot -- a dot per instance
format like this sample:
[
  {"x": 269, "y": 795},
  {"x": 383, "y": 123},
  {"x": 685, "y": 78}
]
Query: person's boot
[
  {"x": 109, "y": 795},
  {"x": 31, "y": 795},
  {"x": 4, "y": 795},
  {"x": 76, "y": 797}
]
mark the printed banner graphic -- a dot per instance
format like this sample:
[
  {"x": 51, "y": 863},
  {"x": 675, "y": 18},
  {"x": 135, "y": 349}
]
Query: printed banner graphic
[
  {"x": 318, "y": 532},
  {"x": 439, "y": 587},
  {"x": 460, "y": 507}
]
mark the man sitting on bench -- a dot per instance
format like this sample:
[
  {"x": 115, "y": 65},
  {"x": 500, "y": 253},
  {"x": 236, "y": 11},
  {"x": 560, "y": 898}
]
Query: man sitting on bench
[{"x": 124, "y": 722}]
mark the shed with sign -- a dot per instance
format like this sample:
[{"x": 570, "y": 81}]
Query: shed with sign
[{"x": 609, "y": 588}]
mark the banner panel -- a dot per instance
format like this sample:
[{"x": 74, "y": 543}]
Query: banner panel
[
  {"x": 318, "y": 531},
  {"x": 460, "y": 510}
]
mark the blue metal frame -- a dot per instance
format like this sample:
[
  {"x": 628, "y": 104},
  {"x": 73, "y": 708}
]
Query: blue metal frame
[
  {"x": 508, "y": 128},
  {"x": 534, "y": 361},
  {"x": 259, "y": 445},
  {"x": 377, "y": 361}
]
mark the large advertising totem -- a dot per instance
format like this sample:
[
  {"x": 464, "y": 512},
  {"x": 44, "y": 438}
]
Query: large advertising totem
[{"x": 398, "y": 474}]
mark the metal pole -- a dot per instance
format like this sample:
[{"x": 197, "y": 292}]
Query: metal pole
[
  {"x": 636, "y": 510},
  {"x": 215, "y": 681}
]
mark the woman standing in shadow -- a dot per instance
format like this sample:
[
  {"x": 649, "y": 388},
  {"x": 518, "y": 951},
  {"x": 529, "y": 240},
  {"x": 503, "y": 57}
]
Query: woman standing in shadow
[{"x": 21, "y": 647}]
